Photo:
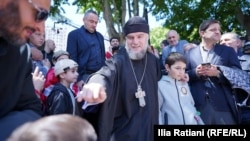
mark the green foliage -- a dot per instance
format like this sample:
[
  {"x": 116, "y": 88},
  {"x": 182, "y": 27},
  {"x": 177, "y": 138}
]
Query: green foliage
[
  {"x": 156, "y": 36},
  {"x": 56, "y": 7},
  {"x": 84, "y": 5},
  {"x": 185, "y": 16}
]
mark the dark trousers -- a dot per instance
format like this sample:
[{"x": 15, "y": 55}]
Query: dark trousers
[
  {"x": 13, "y": 120},
  {"x": 245, "y": 115},
  {"x": 210, "y": 116}
]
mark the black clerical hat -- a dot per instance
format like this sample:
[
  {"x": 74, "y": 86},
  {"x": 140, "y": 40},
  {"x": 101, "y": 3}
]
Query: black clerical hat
[{"x": 135, "y": 24}]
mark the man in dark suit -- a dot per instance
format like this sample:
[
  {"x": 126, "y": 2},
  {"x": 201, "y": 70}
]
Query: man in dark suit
[
  {"x": 211, "y": 91},
  {"x": 86, "y": 46}
]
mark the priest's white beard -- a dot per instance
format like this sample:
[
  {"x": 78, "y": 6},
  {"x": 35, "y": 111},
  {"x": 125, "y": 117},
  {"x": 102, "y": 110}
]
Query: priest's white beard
[{"x": 136, "y": 56}]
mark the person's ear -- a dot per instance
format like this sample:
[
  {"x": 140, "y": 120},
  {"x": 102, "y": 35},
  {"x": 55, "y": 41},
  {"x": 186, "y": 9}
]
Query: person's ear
[
  {"x": 201, "y": 33},
  {"x": 62, "y": 75},
  {"x": 167, "y": 67},
  {"x": 238, "y": 42}
]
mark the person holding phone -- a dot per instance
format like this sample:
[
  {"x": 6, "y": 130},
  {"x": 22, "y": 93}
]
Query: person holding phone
[{"x": 210, "y": 89}]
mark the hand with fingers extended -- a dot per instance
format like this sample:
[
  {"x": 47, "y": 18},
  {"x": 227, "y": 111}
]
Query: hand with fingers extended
[
  {"x": 38, "y": 79},
  {"x": 93, "y": 93}
]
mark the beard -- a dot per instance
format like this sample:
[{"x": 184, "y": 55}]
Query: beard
[
  {"x": 10, "y": 24},
  {"x": 136, "y": 55}
]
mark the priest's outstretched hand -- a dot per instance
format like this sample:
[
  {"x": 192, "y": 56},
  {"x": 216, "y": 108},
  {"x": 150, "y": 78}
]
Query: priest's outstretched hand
[{"x": 93, "y": 93}]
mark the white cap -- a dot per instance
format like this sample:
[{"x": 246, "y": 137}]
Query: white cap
[{"x": 63, "y": 65}]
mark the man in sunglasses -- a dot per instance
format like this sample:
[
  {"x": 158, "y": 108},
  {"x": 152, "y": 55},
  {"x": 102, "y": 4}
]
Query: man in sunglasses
[{"x": 18, "y": 102}]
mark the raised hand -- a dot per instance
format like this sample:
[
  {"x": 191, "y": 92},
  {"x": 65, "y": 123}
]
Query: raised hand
[{"x": 93, "y": 93}]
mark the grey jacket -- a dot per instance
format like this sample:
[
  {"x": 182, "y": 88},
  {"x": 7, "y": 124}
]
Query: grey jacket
[{"x": 176, "y": 104}]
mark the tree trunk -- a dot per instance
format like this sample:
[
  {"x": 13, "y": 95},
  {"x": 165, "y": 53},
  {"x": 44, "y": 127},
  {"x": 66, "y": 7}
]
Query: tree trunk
[
  {"x": 136, "y": 7},
  {"x": 244, "y": 20},
  {"x": 109, "y": 20}
]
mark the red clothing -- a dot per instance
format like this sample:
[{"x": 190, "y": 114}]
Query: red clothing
[
  {"x": 74, "y": 88},
  {"x": 51, "y": 80},
  {"x": 108, "y": 55}
]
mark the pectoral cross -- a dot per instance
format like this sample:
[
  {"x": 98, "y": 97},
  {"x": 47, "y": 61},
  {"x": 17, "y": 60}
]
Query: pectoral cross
[{"x": 140, "y": 95}]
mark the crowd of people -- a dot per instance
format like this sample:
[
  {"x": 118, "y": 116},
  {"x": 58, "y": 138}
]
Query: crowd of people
[{"x": 87, "y": 93}]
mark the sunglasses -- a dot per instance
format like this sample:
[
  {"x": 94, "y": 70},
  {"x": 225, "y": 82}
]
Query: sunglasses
[{"x": 42, "y": 14}]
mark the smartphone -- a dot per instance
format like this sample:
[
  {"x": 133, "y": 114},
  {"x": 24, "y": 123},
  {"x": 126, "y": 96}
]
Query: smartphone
[{"x": 206, "y": 64}]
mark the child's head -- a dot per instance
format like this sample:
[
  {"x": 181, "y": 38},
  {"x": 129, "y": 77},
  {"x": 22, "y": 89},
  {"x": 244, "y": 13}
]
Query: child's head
[
  {"x": 66, "y": 69},
  {"x": 59, "y": 55},
  {"x": 37, "y": 39},
  {"x": 62, "y": 127},
  {"x": 175, "y": 65}
]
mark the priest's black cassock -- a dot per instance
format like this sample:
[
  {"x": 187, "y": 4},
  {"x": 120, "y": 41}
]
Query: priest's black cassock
[{"x": 121, "y": 118}]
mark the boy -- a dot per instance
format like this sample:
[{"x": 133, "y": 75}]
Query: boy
[
  {"x": 176, "y": 104},
  {"x": 62, "y": 98},
  {"x": 51, "y": 79}
]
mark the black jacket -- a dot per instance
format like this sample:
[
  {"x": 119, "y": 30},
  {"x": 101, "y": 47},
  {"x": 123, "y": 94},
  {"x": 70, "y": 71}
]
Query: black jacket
[
  {"x": 120, "y": 117},
  {"x": 79, "y": 46},
  {"x": 59, "y": 101},
  {"x": 16, "y": 87}
]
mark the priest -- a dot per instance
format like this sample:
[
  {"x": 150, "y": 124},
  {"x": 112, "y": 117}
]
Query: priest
[{"x": 128, "y": 84}]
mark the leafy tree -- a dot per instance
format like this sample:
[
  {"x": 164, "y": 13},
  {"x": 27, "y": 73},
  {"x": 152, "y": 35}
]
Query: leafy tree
[
  {"x": 113, "y": 12},
  {"x": 156, "y": 36},
  {"x": 185, "y": 16}
]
